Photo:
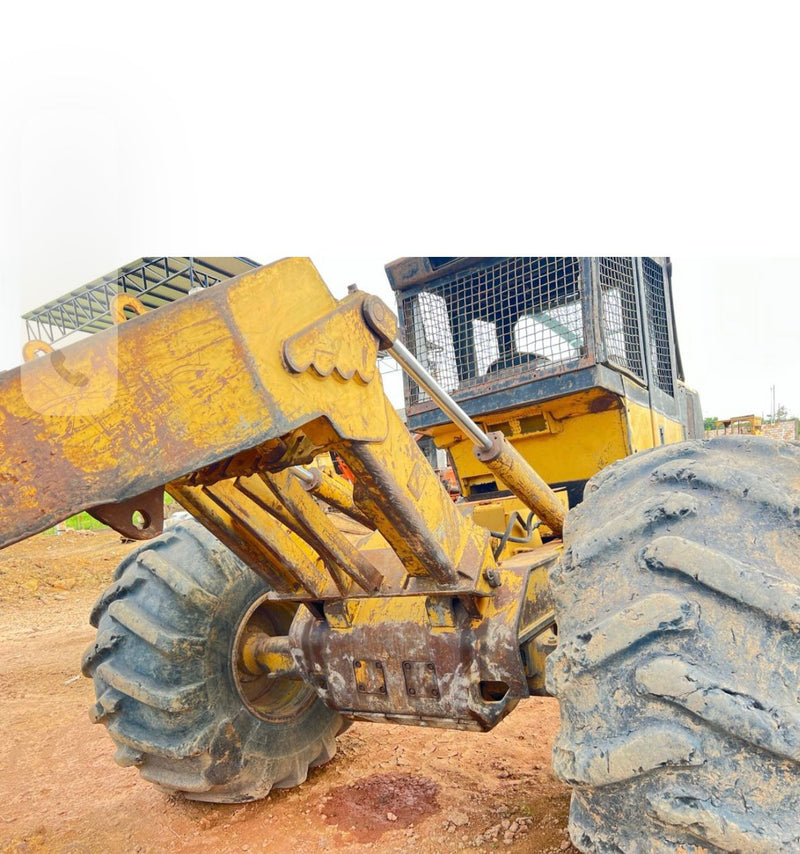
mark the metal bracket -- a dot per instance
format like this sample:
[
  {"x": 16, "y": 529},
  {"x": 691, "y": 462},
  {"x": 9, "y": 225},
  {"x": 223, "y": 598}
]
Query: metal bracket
[
  {"x": 122, "y": 516},
  {"x": 339, "y": 342}
]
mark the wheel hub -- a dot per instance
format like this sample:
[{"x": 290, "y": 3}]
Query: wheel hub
[{"x": 260, "y": 663}]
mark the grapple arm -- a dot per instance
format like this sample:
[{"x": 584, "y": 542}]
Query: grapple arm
[{"x": 215, "y": 397}]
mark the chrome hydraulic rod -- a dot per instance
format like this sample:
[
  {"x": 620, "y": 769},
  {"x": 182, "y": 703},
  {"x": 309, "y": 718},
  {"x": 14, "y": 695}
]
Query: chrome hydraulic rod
[
  {"x": 493, "y": 450},
  {"x": 306, "y": 476},
  {"x": 408, "y": 362}
]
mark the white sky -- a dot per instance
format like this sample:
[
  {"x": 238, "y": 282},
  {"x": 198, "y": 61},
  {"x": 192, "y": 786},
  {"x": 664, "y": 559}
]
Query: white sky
[
  {"x": 356, "y": 134},
  {"x": 737, "y": 319}
]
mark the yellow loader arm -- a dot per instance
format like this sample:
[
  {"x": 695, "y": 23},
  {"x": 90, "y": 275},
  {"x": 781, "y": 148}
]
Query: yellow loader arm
[
  {"x": 218, "y": 399},
  {"x": 214, "y": 397}
]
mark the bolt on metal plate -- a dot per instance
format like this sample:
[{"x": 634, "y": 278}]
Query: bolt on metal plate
[
  {"x": 421, "y": 679},
  {"x": 370, "y": 677}
]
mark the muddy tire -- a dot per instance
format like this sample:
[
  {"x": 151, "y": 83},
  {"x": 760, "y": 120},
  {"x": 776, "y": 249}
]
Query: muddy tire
[
  {"x": 678, "y": 665},
  {"x": 167, "y": 685}
]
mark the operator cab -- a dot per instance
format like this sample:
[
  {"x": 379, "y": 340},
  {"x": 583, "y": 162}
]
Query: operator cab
[{"x": 575, "y": 359}]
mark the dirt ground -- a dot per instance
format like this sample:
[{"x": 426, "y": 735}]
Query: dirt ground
[{"x": 389, "y": 789}]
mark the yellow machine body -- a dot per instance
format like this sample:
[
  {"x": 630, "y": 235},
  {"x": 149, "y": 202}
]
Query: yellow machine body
[
  {"x": 569, "y": 439},
  {"x": 439, "y": 613}
]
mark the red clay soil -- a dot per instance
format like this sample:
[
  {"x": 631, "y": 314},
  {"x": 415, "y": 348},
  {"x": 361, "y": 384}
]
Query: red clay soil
[{"x": 389, "y": 789}]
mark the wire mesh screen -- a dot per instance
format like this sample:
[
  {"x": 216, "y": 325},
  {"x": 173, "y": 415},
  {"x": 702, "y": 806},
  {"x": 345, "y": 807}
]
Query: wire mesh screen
[
  {"x": 657, "y": 327},
  {"x": 620, "y": 314},
  {"x": 515, "y": 316}
]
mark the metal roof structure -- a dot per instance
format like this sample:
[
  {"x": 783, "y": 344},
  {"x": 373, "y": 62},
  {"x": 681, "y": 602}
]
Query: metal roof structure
[{"x": 153, "y": 281}]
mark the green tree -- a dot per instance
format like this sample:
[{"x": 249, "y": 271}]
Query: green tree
[
  {"x": 710, "y": 423},
  {"x": 780, "y": 414}
]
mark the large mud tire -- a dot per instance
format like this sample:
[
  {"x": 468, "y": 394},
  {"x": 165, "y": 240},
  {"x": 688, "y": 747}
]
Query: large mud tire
[
  {"x": 678, "y": 665},
  {"x": 167, "y": 685}
]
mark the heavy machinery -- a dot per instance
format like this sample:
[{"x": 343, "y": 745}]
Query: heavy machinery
[{"x": 230, "y": 653}]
